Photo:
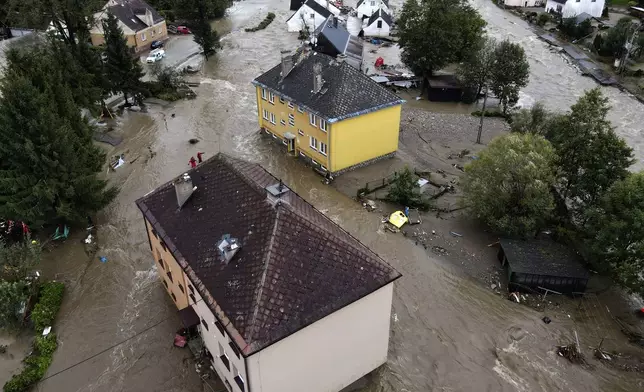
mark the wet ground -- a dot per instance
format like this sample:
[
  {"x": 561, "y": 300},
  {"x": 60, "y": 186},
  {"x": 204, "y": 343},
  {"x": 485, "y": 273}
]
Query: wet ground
[{"x": 449, "y": 333}]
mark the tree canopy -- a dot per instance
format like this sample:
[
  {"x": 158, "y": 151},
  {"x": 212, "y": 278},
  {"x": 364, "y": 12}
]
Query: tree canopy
[
  {"x": 508, "y": 187},
  {"x": 196, "y": 12},
  {"x": 533, "y": 120},
  {"x": 476, "y": 69},
  {"x": 510, "y": 73},
  {"x": 616, "y": 233},
  {"x": 48, "y": 163},
  {"x": 435, "y": 33}
]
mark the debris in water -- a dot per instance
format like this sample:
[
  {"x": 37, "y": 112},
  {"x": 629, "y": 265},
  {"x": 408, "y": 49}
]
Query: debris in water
[
  {"x": 571, "y": 352},
  {"x": 599, "y": 354},
  {"x": 546, "y": 320},
  {"x": 455, "y": 234},
  {"x": 193, "y": 141},
  {"x": 88, "y": 240},
  {"x": 514, "y": 297},
  {"x": 493, "y": 286},
  {"x": 369, "y": 205},
  {"x": 103, "y": 259}
]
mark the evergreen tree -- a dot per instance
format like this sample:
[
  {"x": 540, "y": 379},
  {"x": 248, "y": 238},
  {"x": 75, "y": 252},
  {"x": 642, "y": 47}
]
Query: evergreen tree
[
  {"x": 122, "y": 70},
  {"x": 198, "y": 13},
  {"x": 48, "y": 163}
]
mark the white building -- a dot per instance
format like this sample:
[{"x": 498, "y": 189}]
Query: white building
[
  {"x": 311, "y": 15},
  {"x": 284, "y": 299},
  {"x": 524, "y": 3},
  {"x": 366, "y": 8},
  {"x": 378, "y": 25},
  {"x": 572, "y": 8}
]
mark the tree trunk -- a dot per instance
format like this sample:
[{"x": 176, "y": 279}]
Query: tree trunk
[
  {"x": 478, "y": 137},
  {"x": 125, "y": 96}
]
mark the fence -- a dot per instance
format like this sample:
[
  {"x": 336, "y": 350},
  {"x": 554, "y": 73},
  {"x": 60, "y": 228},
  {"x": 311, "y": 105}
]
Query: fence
[{"x": 377, "y": 185}]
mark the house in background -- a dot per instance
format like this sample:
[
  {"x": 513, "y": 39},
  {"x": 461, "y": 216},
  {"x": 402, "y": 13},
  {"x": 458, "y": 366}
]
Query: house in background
[
  {"x": 524, "y": 3},
  {"x": 378, "y": 25},
  {"x": 333, "y": 39},
  {"x": 572, "y": 8},
  {"x": 141, "y": 24},
  {"x": 366, "y": 8},
  {"x": 285, "y": 300},
  {"x": 311, "y": 15},
  {"x": 327, "y": 112},
  {"x": 542, "y": 263}
]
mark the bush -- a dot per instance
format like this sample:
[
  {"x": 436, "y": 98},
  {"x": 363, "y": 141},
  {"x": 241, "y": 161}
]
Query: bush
[
  {"x": 263, "y": 24},
  {"x": 404, "y": 191},
  {"x": 50, "y": 299},
  {"x": 14, "y": 295},
  {"x": 543, "y": 19},
  {"x": 36, "y": 365},
  {"x": 489, "y": 113}
]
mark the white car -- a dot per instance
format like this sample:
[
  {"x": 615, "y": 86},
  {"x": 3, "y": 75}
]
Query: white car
[{"x": 155, "y": 55}]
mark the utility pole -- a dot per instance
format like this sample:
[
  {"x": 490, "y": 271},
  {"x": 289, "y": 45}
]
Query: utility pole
[
  {"x": 627, "y": 47},
  {"x": 478, "y": 137}
]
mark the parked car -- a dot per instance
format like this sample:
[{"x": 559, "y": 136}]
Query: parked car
[
  {"x": 183, "y": 30},
  {"x": 156, "y": 45},
  {"x": 155, "y": 55}
]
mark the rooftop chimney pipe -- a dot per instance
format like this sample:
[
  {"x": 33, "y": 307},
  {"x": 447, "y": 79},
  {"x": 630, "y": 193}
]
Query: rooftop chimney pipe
[
  {"x": 184, "y": 189},
  {"x": 317, "y": 78},
  {"x": 287, "y": 62}
]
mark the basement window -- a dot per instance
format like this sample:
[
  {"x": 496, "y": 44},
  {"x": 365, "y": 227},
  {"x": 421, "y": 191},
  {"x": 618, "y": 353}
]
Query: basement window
[
  {"x": 300, "y": 132},
  {"x": 220, "y": 328},
  {"x": 205, "y": 324},
  {"x": 154, "y": 233},
  {"x": 165, "y": 283},
  {"x": 161, "y": 263},
  {"x": 181, "y": 288}
]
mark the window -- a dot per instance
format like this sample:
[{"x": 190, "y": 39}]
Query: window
[
  {"x": 312, "y": 15},
  {"x": 282, "y": 122},
  {"x": 192, "y": 297},
  {"x": 271, "y": 97},
  {"x": 154, "y": 233},
  {"x": 300, "y": 109},
  {"x": 161, "y": 263},
  {"x": 174, "y": 297},
  {"x": 220, "y": 328},
  {"x": 165, "y": 283},
  {"x": 170, "y": 276},
  {"x": 143, "y": 37},
  {"x": 379, "y": 25},
  {"x": 264, "y": 94},
  {"x": 291, "y": 119},
  {"x": 272, "y": 118},
  {"x": 163, "y": 246},
  {"x": 323, "y": 125},
  {"x": 300, "y": 132},
  {"x": 228, "y": 385},
  {"x": 265, "y": 114},
  {"x": 205, "y": 324},
  {"x": 313, "y": 143},
  {"x": 282, "y": 100},
  {"x": 322, "y": 148},
  {"x": 290, "y": 105},
  {"x": 312, "y": 119},
  {"x": 239, "y": 381},
  {"x": 192, "y": 289},
  {"x": 208, "y": 354},
  {"x": 235, "y": 350},
  {"x": 223, "y": 357},
  {"x": 181, "y": 288},
  {"x": 323, "y": 168}
]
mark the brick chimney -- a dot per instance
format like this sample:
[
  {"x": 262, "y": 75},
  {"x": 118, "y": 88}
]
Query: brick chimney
[
  {"x": 184, "y": 189},
  {"x": 317, "y": 78}
]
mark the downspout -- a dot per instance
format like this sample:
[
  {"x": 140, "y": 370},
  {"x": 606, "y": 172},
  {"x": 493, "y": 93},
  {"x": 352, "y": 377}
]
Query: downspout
[{"x": 247, "y": 376}]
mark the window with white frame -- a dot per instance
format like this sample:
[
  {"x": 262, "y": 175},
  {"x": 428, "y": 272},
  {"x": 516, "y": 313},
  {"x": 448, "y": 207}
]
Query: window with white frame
[
  {"x": 290, "y": 105},
  {"x": 312, "y": 15},
  {"x": 271, "y": 97},
  {"x": 143, "y": 37},
  {"x": 265, "y": 114},
  {"x": 313, "y": 142},
  {"x": 272, "y": 118},
  {"x": 323, "y": 125},
  {"x": 379, "y": 25},
  {"x": 300, "y": 132},
  {"x": 282, "y": 122},
  {"x": 282, "y": 100},
  {"x": 223, "y": 357},
  {"x": 291, "y": 119},
  {"x": 264, "y": 94},
  {"x": 239, "y": 380},
  {"x": 300, "y": 109},
  {"x": 322, "y": 148},
  {"x": 312, "y": 119}
]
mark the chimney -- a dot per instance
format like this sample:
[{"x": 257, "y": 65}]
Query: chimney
[
  {"x": 317, "y": 78},
  {"x": 228, "y": 247},
  {"x": 184, "y": 189},
  {"x": 287, "y": 63},
  {"x": 341, "y": 58},
  {"x": 275, "y": 192}
]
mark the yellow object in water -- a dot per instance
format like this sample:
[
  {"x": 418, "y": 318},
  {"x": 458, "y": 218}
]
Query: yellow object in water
[{"x": 398, "y": 219}]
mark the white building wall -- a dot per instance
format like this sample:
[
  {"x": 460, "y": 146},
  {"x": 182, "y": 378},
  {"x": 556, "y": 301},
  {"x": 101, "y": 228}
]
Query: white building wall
[
  {"x": 311, "y": 18},
  {"x": 524, "y": 3},
  {"x": 573, "y": 8},
  {"x": 373, "y": 30},
  {"x": 368, "y": 7},
  {"x": 212, "y": 339},
  {"x": 329, "y": 354}
]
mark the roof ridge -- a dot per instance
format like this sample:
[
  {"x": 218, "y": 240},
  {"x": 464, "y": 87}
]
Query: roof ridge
[{"x": 267, "y": 261}]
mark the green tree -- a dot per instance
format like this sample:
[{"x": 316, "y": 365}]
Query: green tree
[
  {"x": 17, "y": 260},
  {"x": 435, "y": 33},
  {"x": 48, "y": 162},
  {"x": 542, "y": 19},
  {"x": 534, "y": 120},
  {"x": 123, "y": 71},
  {"x": 616, "y": 233},
  {"x": 475, "y": 71},
  {"x": 612, "y": 42},
  {"x": 508, "y": 187},
  {"x": 14, "y": 295},
  {"x": 404, "y": 190},
  {"x": 510, "y": 73},
  {"x": 198, "y": 14},
  {"x": 591, "y": 157}
]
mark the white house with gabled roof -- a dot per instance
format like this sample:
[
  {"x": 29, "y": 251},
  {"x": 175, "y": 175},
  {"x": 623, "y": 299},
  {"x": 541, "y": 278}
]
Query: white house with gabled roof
[
  {"x": 366, "y": 8},
  {"x": 311, "y": 15},
  {"x": 572, "y": 8}
]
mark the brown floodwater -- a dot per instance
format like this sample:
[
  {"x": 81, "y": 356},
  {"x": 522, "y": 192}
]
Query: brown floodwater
[{"x": 448, "y": 332}]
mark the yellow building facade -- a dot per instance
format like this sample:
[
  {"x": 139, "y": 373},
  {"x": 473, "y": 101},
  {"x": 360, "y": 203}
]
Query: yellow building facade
[{"x": 335, "y": 146}]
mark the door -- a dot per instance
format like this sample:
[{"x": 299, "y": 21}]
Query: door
[{"x": 291, "y": 145}]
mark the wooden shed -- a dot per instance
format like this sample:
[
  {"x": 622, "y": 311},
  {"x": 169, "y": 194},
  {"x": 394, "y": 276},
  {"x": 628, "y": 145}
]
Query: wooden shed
[
  {"x": 444, "y": 88},
  {"x": 542, "y": 263}
]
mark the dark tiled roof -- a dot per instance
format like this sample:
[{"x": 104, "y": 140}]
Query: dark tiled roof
[
  {"x": 380, "y": 13},
  {"x": 295, "y": 265},
  {"x": 543, "y": 257},
  {"x": 127, "y": 12},
  {"x": 315, "y": 6},
  {"x": 346, "y": 91}
]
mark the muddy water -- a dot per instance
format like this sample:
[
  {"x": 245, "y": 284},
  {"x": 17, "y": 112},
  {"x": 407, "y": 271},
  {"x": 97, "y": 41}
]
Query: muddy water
[{"x": 448, "y": 333}]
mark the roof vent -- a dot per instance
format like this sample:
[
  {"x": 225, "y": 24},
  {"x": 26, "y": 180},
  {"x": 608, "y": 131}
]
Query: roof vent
[
  {"x": 184, "y": 189},
  {"x": 274, "y": 192},
  {"x": 287, "y": 63},
  {"x": 228, "y": 248}
]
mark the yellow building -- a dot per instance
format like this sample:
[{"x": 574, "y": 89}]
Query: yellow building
[
  {"x": 141, "y": 24},
  {"x": 327, "y": 112}
]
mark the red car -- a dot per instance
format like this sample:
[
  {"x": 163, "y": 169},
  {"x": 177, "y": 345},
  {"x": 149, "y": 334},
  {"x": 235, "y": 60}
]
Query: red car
[{"x": 183, "y": 30}]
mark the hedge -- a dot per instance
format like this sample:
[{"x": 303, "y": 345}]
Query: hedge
[
  {"x": 36, "y": 365},
  {"x": 50, "y": 299},
  {"x": 264, "y": 23}
]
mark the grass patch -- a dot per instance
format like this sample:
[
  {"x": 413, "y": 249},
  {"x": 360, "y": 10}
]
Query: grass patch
[
  {"x": 37, "y": 363},
  {"x": 263, "y": 24}
]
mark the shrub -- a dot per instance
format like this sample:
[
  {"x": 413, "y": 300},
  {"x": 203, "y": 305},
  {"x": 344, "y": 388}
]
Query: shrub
[
  {"x": 36, "y": 365},
  {"x": 50, "y": 299},
  {"x": 14, "y": 295},
  {"x": 489, "y": 113},
  {"x": 543, "y": 19},
  {"x": 404, "y": 191},
  {"x": 263, "y": 24}
]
